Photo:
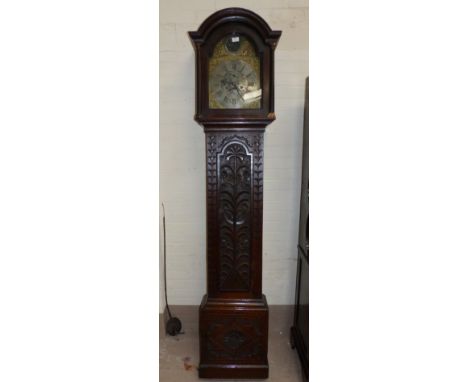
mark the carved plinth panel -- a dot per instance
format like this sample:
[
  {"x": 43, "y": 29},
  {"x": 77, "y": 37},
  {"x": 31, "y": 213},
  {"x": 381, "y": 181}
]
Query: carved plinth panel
[
  {"x": 234, "y": 339},
  {"x": 234, "y": 199},
  {"x": 234, "y": 336}
]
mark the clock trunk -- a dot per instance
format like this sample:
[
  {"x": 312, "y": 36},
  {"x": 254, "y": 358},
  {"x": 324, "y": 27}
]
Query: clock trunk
[{"x": 234, "y": 313}]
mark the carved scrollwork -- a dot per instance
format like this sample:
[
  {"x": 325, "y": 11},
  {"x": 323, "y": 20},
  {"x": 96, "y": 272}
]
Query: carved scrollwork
[
  {"x": 258, "y": 184},
  {"x": 235, "y": 167},
  {"x": 234, "y": 210},
  {"x": 211, "y": 200},
  {"x": 232, "y": 138}
]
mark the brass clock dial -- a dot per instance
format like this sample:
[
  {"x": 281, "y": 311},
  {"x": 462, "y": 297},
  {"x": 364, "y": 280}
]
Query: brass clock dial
[
  {"x": 234, "y": 75},
  {"x": 235, "y": 85}
]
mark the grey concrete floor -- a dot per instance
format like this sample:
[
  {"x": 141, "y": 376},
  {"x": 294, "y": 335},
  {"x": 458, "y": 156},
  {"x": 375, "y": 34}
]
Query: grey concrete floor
[{"x": 178, "y": 356}]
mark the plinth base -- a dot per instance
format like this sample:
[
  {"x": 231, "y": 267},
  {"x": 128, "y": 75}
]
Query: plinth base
[{"x": 233, "y": 338}]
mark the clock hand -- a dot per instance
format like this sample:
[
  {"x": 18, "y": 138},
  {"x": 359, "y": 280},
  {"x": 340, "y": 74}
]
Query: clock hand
[
  {"x": 233, "y": 86},
  {"x": 238, "y": 90}
]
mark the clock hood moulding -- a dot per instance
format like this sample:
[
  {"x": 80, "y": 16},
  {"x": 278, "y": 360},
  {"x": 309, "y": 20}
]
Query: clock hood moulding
[
  {"x": 238, "y": 15},
  {"x": 226, "y": 22}
]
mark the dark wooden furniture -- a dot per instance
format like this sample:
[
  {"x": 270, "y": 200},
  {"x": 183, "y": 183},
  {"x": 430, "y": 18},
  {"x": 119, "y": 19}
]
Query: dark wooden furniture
[
  {"x": 234, "y": 104},
  {"x": 300, "y": 328}
]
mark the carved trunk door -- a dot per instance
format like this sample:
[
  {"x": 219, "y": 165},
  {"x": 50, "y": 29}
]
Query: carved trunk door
[{"x": 234, "y": 193}]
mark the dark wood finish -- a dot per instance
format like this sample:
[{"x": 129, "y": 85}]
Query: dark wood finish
[
  {"x": 300, "y": 328},
  {"x": 233, "y": 338},
  {"x": 234, "y": 312}
]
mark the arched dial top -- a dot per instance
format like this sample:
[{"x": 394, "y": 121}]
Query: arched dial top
[{"x": 234, "y": 74}]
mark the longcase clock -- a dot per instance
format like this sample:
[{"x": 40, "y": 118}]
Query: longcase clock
[{"x": 234, "y": 103}]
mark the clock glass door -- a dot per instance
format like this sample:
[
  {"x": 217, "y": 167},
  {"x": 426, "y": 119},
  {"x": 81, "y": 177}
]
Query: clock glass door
[{"x": 234, "y": 74}]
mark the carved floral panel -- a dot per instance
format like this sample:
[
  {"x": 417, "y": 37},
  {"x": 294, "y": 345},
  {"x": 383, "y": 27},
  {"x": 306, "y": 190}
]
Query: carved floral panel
[{"x": 234, "y": 216}]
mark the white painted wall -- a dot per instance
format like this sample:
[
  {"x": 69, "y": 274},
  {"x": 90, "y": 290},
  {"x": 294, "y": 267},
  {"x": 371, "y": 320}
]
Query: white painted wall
[{"x": 182, "y": 151}]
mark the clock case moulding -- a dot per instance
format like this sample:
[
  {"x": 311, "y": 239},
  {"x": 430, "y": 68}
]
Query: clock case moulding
[{"x": 233, "y": 315}]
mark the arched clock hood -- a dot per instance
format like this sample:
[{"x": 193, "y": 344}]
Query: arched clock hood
[{"x": 264, "y": 39}]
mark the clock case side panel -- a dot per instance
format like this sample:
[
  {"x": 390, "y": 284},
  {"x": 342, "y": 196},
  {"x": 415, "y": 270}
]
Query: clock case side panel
[{"x": 217, "y": 140}]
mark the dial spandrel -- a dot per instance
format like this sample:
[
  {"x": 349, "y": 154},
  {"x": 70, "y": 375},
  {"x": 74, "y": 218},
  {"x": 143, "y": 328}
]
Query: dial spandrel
[{"x": 234, "y": 75}]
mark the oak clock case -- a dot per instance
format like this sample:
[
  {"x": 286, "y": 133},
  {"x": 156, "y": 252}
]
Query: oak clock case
[{"x": 234, "y": 103}]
